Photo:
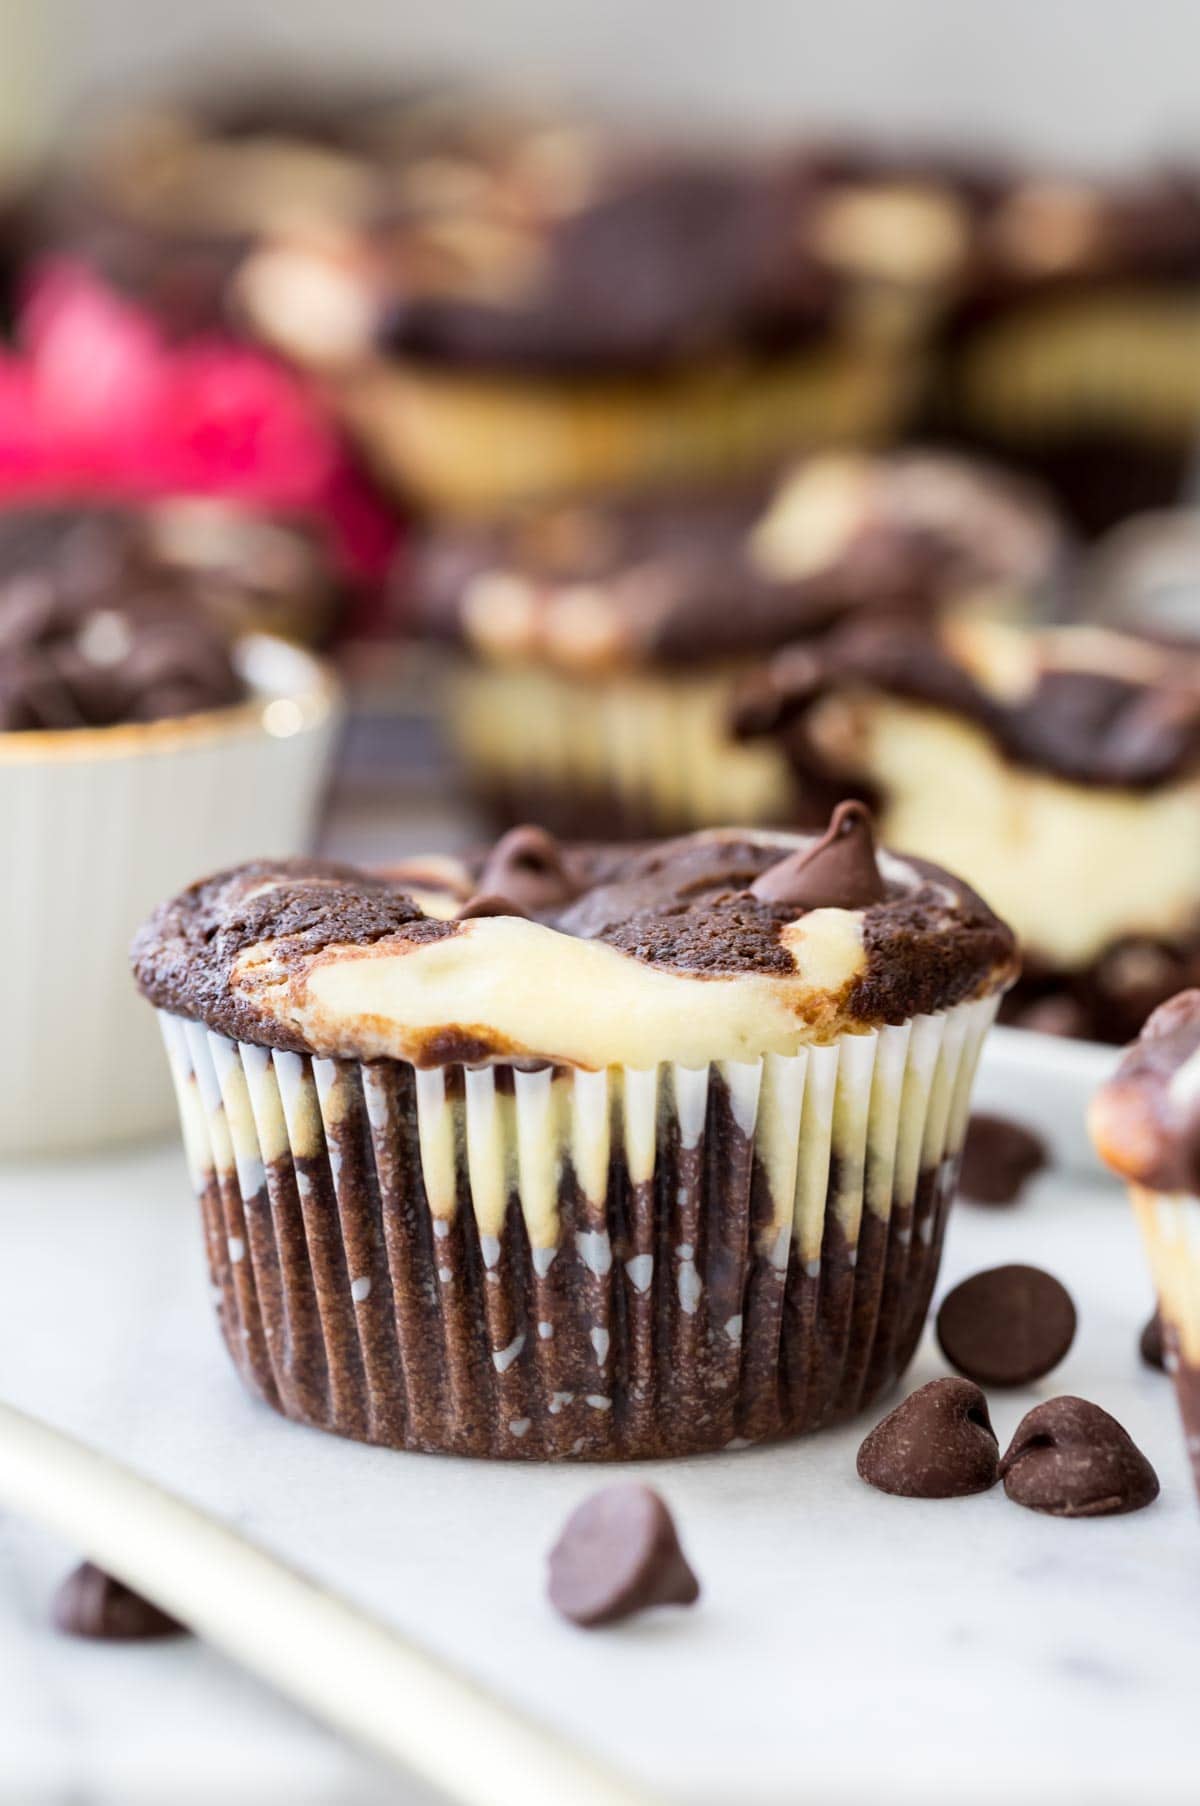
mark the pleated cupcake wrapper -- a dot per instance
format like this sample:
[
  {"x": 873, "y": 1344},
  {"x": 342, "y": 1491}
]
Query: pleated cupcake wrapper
[
  {"x": 600, "y": 1265},
  {"x": 470, "y": 444},
  {"x": 1170, "y": 1226},
  {"x": 635, "y": 754},
  {"x": 1127, "y": 362}
]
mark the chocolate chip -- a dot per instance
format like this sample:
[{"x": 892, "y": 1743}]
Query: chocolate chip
[
  {"x": 1072, "y": 1460},
  {"x": 619, "y": 1553},
  {"x": 839, "y": 872},
  {"x": 939, "y": 1444},
  {"x": 489, "y": 905},
  {"x": 91, "y": 1603},
  {"x": 1150, "y": 1344},
  {"x": 1006, "y": 1326},
  {"x": 527, "y": 866},
  {"x": 999, "y": 1159}
]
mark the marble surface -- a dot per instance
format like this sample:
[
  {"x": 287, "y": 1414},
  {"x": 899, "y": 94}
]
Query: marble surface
[{"x": 849, "y": 1647}]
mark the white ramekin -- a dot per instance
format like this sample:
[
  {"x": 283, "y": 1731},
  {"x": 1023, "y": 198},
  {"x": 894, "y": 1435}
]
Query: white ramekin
[{"x": 96, "y": 826}]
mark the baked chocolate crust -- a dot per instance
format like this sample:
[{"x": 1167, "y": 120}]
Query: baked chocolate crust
[
  {"x": 706, "y": 576},
  {"x": 1078, "y": 722},
  {"x": 665, "y": 254},
  {"x": 1145, "y": 1121},
  {"x": 686, "y": 906}
]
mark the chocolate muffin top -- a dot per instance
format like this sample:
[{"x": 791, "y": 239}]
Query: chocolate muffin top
[
  {"x": 719, "y": 945},
  {"x": 711, "y": 575},
  {"x": 556, "y": 246},
  {"x": 1083, "y": 704},
  {"x": 992, "y": 229},
  {"x": 98, "y": 626},
  {"x": 1146, "y": 1120}
]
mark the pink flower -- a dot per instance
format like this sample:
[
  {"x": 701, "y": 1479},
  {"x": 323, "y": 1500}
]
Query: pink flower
[{"x": 95, "y": 403}]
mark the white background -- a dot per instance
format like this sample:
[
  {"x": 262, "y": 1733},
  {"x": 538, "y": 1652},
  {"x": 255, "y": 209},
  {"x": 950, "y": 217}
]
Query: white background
[{"x": 1090, "y": 78}]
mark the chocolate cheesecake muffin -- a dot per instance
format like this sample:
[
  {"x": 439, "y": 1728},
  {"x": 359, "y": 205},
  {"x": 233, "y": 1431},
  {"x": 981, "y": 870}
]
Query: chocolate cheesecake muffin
[
  {"x": 1073, "y": 350},
  {"x": 1146, "y": 1125},
  {"x": 597, "y": 645},
  {"x": 577, "y": 1151},
  {"x": 1060, "y": 770},
  {"x": 139, "y": 726},
  {"x": 554, "y": 307}
]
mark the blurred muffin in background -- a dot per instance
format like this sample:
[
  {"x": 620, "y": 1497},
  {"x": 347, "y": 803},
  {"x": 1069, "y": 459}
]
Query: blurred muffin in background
[
  {"x": 547, "y": 307},
  {"x": 1058, "y": 770},
  {"x": 596, "y": 646},
  {"x": 239, "y": 571},
  {"x": 1074, "y": 350},
  {"x": 1146, "y": 1127},
  {"x": 164, "y": 196},
  {"x": 142, "y": 729},
  {"x": 1145, "y": 575}
]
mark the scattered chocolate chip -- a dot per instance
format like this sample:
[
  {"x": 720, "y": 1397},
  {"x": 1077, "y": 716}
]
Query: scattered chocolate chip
[
  {"x": 527, "y": 866},
  {"x": 1150, "y": 1344},
  {"x": 489, "y": 905},
  {"x": 939, "y": 1444},
  {"x": 91, "y": 1603},
  {"x": 839, "y": 872},
  {"x": 1006, "y": 1326},
  {"x": 1072, "y": 1460},
  {"x": 619, "y": 1553},
  {"x": 999, "y": 1159}
]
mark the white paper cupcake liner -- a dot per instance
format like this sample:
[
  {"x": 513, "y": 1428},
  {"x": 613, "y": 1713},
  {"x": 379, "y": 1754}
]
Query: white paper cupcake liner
[{"x": 556, "y": 1264}]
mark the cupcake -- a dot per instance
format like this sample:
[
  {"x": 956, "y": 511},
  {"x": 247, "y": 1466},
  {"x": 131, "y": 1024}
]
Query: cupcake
[
  {"x": 137, "y": 731},
  {"x": 576, "y": 1152},
  {"x": 596, "y": 646},
  {"x": 1074, "y": 348},
  {"x": 1059, "y": 770},
  {"x": 1146, "y": 1125},
  {"x": 548, "y": 308}
]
